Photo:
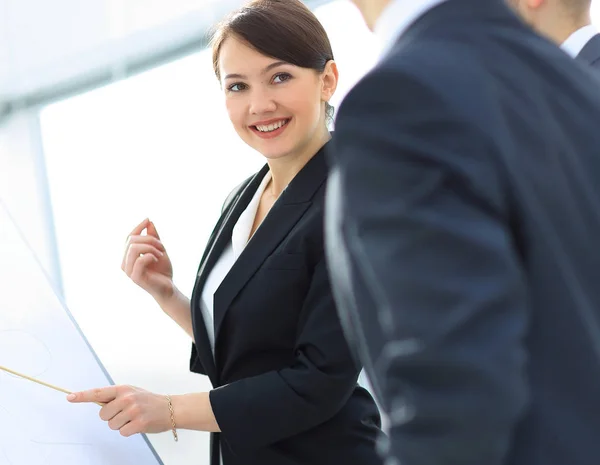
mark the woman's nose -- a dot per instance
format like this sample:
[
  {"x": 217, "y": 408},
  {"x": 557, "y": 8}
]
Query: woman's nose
[{"x": 262, "y": 102}]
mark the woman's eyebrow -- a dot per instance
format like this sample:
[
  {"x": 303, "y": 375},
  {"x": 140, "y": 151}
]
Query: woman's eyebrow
[{"x": 266, "y": 70}]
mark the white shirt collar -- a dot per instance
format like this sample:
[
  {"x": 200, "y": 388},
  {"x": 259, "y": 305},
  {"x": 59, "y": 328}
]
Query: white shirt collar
[
  {"x": 241, "y": 231},
  {"x": 398, "y": 17},
  {"x": 576, "y": 41}
]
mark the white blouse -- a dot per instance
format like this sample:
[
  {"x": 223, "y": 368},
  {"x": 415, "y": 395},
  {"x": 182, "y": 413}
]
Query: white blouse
[{"x": 240, "y": 237}]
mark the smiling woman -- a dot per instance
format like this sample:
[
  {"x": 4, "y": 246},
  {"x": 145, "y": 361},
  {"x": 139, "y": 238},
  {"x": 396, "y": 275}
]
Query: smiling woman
[
  {"x": 262, "y": 319},
  {"x": 277, "y": 80}
]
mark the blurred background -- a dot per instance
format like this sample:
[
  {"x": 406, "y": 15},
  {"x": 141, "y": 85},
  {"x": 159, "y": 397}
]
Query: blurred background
[{"x": 110, "y": 113}]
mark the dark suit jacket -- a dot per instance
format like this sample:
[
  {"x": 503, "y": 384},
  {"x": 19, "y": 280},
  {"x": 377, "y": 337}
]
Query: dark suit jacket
[
  {"x": 464, "y": 241},
  {"x": 286, "y": 390},
  {"x": 591, "y": 52}
]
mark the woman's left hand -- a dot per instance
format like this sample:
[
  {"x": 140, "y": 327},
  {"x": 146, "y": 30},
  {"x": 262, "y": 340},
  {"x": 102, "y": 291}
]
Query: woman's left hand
[{"x": 129, "y": 409}]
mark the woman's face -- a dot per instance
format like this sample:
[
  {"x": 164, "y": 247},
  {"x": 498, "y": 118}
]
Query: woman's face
[{"x": 275, "y": 107}]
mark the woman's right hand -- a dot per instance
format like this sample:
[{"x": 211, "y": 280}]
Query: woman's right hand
[{"x": 146, "y": 262}]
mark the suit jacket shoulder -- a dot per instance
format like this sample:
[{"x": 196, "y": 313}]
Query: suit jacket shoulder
[{"x": 421, "y": 78}]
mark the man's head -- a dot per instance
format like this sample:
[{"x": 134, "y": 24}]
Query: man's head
[
  {"x": 555, "y": 19},
  {"x": 371, "y": 10}
]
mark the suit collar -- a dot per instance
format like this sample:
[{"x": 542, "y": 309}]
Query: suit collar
[
  {"x": 576, "y": 41},
  {"x": 452, "y": 12},
  {"x": 284, "y": 214},
  {"x": 214, "y": 248},
  {"x": 591, "y": 51}
]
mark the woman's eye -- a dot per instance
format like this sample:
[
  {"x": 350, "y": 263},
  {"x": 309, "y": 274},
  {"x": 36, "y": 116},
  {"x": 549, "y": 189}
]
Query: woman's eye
[
  {"x": 236, "y": 87},
  {"x": 281, "y": 77}
]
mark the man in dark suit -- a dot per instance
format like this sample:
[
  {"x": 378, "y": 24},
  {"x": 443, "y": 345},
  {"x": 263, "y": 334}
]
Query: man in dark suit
[
  {"x": 463, "y": 218},
  {"x": 566, "y": 22}
]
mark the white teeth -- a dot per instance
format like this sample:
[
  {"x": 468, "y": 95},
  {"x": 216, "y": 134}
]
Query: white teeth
[{"x": 271, "y": 127}]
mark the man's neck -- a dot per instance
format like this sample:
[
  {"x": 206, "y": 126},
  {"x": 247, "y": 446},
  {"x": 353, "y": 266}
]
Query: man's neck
[
  {"x": 562, "y": 32},
  {"x": 373, "y": 10}
]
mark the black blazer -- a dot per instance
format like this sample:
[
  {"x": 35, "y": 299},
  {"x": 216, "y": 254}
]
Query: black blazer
[
  {"x": 591, "y": 52},
  {"x": 464, "y": 241},
  {"x": 286, "y": 385}
]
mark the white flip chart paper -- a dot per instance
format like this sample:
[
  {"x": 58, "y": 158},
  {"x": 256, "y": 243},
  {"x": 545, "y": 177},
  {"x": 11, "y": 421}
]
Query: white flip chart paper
[{"x": 39, "y": 338}]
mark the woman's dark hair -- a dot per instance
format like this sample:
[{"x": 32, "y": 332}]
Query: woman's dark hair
[{"x": 283, "y": 29}]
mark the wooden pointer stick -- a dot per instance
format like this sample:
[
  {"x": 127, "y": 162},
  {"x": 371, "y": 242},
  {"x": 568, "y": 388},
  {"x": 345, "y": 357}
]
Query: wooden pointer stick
[{"x": 56, "y": 388}]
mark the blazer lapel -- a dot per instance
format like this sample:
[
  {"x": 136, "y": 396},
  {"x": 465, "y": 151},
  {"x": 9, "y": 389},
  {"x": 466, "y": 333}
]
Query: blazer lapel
[
  {"x": 284, "y": 214},
  {"x": 219, "y": 238}
]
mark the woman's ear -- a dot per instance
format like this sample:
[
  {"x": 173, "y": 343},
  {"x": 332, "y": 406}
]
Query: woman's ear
[{"x": 329, "y": 80}]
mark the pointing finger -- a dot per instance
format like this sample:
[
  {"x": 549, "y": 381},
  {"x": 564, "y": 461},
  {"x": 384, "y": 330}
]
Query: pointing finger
[{"x": 101, "y": 395}]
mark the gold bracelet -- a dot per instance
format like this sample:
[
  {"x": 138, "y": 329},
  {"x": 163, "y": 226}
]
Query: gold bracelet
[{"x": 172, "y": 417}]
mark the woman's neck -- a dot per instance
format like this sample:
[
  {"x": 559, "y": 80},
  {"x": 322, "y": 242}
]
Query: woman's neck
[{"x": 285, "y": 169}]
